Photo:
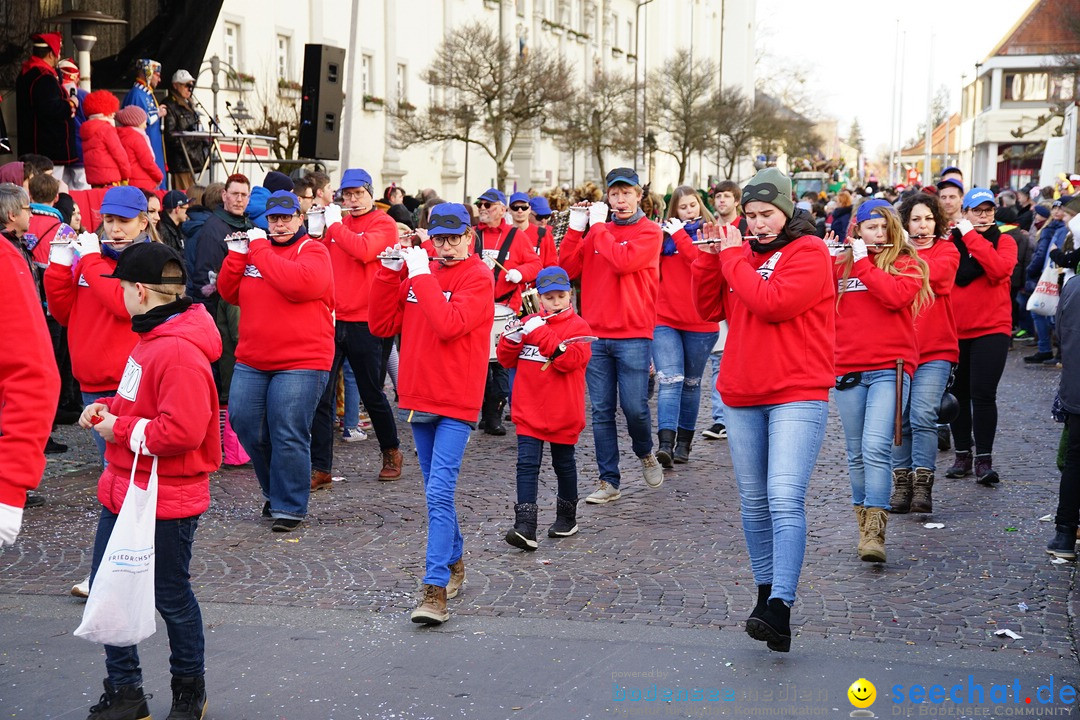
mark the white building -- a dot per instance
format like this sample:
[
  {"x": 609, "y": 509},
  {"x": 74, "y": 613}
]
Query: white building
[{"x": 390, "y": 42}]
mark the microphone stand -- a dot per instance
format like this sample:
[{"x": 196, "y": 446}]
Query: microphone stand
[
  {"x": 213, "y": 124},
  {"x": 241, "y": 131}
]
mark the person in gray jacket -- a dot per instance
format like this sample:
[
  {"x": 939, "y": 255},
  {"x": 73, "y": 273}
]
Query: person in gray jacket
[{"x": 1068, "y": 327}]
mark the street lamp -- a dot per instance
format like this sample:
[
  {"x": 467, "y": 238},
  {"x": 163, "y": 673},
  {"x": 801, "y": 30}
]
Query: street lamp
[
  {"x": 467, "y": 118},
  {"x": 82, "y": 21},
  {"x": 637, "y": 62}
]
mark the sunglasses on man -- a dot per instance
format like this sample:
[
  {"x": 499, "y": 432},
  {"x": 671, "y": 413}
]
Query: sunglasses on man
[{"x": 519, "y": 208}]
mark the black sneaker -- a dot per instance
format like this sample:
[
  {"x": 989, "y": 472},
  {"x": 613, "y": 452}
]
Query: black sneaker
[
  {"x": 55, "y": 448},
  {"x": 126, "y": 702},
  {"x": 1038, "y": 357},
  {"x": 1054, "y": 361},
  {"x": 189, "y": 698},
  {"x": 285, "y": 524},
  {"x": 717, "y": 432},
  {"x": 1064, "y": 543}
]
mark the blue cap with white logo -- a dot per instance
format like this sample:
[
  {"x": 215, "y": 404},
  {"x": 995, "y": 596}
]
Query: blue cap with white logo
[{"x": 977, "y": 196}]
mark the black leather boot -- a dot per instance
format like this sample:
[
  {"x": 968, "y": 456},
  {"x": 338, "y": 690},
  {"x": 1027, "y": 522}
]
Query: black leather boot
[
  {"x": 523, "y": 534},
  {"x": 565, "y": 518},
  {"x": 773, "y": 627},
  {"x": 684, "y": 438},
  {"x": 665, "y": 450}
]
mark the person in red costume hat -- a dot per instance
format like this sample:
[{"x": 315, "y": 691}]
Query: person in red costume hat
[
  {"x": 105, "y": 157},
  {"x": 46, "y": 112}
]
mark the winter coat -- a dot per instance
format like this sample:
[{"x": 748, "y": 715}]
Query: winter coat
[
  {"x": 45, "y": 124},
  {"x": 841, "y": 218},
  {"x": 180, "y": 116},
  {"x": 145, "y": 174},
  {"x": 104, "y": 155},
  {"x": 143, "y": 97}
]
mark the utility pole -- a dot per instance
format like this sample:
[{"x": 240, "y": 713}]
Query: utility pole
[
  {"x": 638, "y": 132},
  {"x": 928, "y": 141}
]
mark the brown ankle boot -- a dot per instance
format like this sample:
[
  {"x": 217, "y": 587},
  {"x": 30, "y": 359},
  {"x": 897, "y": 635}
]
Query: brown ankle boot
[
  {"x": 874, "y": 548},
  {"x": 921, "y": 501},
  {"x": 391, "y": 464},
  {"x": 432, "y": 607},
  {"x": 900, "y": 500},
  {"x": 320, "y": 479},
  {"x": 860, "y": 518},
  {"x": 457, "y": 578}
]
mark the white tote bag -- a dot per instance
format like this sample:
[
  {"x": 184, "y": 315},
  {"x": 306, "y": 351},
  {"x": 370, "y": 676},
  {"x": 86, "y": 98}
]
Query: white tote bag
[
  {"x": 120, "y": 609},
  {"x": 1044, "y": 300}
]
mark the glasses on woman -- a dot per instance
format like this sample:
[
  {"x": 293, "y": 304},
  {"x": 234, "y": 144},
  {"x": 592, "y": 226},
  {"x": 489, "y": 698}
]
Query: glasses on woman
[{"x": 451, "y": 240}]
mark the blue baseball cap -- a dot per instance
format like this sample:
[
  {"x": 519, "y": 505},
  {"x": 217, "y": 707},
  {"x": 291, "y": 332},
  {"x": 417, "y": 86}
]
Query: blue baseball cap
[
  {"x": 951, "y": 182},
  {"x": 519, "y": 197},
  {"x": 626, "y": 176},
  {"x": 866, "y": 210},
  {"x": 354, "y": 178},
  {"x": 282, "y": 202},
  {"x": 492, "y": 195},
  {"x": 448, "y": 219},
  {"x": 125, "y": 201},
  {"x": 539, "y": 205},
  {"x": 551, "y": 279},
  {"x": 977, "y": 196}
]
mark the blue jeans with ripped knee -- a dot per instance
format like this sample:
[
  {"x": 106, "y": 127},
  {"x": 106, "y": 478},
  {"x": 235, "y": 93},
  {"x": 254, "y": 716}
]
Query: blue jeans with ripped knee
[{"x": 679, "y": 357}]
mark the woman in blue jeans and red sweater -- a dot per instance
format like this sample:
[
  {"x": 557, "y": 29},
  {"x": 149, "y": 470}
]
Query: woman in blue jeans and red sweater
[
  {"x": 682, "y": 341},
  {"x": 443, "y": 314},
  {"x": 882, "y": 285},
  {"x": 777, "y": 293}
]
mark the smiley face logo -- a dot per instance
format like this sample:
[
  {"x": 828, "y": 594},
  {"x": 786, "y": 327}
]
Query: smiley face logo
[{"x": 862, "y": 693}]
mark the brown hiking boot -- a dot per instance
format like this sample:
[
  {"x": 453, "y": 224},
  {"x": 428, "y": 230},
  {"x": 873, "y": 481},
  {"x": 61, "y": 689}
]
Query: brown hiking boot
[
  {"x": 320, "y": 480},
  {"x": 432, "y": 608},
  {"x": 921, "y": 501},
  {"x": 874, "y": 547},
  {"x": 900, "y": 500},
  {"x": 457, "y": 578},
  {"x": 860, "y": 517},
  {"x": 391, "y": 464}
]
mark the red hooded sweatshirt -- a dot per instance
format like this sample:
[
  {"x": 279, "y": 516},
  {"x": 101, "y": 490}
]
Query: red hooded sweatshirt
[
  {"x": 935, "y": 326},
  {"x": 144, "y": 171},
  {"x": 780, "y": 308},
  {"x": 675, "y": 305},
  {"x": 29, "y": 381},
  {"x": 444, "y": 318},
  {"x": 354, "y": 244},
  {"x": 91, "y": 307},
  {"x": 619, "y": 267},
  {"x": 874, "y": 324},
  {"x": 549, "y": 404},
  {"x": 167, "y": 396},
  {"x": 984, "y": 307},
  {"x": 522, "y": 257},
  {"x": 286, "y": 299},
  {"x": 104, "y": 155}
]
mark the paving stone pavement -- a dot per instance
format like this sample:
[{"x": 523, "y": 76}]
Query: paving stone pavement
[{"x": 671, "y": 557}]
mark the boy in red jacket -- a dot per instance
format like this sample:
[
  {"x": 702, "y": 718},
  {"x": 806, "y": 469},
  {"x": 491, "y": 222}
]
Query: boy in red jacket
[
  {"x": 166, "y": 406},
  {"x": 549, "y": 403}
]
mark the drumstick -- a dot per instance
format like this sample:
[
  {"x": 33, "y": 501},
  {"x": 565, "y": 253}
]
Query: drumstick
[{"x": 496, "y": 262}]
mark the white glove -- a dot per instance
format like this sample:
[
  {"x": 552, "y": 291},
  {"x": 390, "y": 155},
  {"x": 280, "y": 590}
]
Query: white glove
[
  {"x": 390, "y": 263},
  {"x": 513, "y": 276},
  {"x": 256, "y": 234},
  {"x": 513, "y": 331},
  {"x": 10, "y": 522},
  {"x": 62, "y": 254},
  {"x": 532, "y": 323},
  {"x": 673, "y": 225},
  {"x": 332, "y": 214},
  {"x": 1074, "y": 227},
  {"x": 858, "y": 249},
  {"x": 237, "y": 242},
  {"x": 598, "y": 212},
  {"x": 964, "y": 226},
  {"x": 87, "y": 244},
  {"x": 417, "y": 260},
  {"x": 579, "y": 217}
]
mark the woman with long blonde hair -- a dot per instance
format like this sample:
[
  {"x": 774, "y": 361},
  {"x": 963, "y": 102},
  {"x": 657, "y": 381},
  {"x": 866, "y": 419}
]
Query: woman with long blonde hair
[{"x": 882, "y": 285}]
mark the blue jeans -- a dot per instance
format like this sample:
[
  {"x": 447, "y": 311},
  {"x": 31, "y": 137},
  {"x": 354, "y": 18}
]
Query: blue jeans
[
  {"x": 173, "y": 598},
  {"x": 88, "y": 398},
  {"x": 439, "y": 447},
  {"x": 619, "y": 371},
  {"x": 920, "y": 421},
  {"x": 680, "y": 358},
  {"x": 717, "y": 401},
  {"x": 530, "y": 453},
  {"x": 352, "y": 397},
  {"x": 867, "y": 412},
  {"x": 1044, "y": 328},
  {"x": 773, "y": 451},
  {"x": 271, "y": 413}
]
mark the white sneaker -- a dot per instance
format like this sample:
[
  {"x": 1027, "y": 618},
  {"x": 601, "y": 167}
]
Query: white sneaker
[
  {"x": 650, "y": 468},
  {"x": 605, "y": 493},
  {"x": 365, "y": 421},
  {"x": 353, "y": 435},
  {"x": 82, "y": 590}
]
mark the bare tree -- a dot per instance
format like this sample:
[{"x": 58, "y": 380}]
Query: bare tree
[
  {"x": 492, "y": 93},
  {"x": 733, "y": 126},
  {"x": 679, "y": 96},
  {"x": 778, "y": 128},
  {"x": 599, "y": 117},
  {"x": 280, "y": 118}
]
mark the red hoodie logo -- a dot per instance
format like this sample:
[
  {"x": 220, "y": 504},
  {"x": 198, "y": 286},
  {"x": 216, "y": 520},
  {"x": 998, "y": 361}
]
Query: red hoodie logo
[{"x": 129, "y": 383}]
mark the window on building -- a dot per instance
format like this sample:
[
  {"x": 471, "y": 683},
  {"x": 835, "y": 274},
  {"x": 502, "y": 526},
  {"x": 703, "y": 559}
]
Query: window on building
[
  {"x": 615, "y": 31},
  {"x": 983, "y": 92},
  {"x": 402, "y": 83},
  {"x": 367, "y": 76},
  {"x": 283, "y": 57},
  {"x": 1024, "y": 86},
  {"x": 1062, "y": 87},
  {"x": 520, "y": 8},
  {"x": 631, "y": 46},
  {"x": 583, "y": 21},
  {"x": 232, "y": 44}
]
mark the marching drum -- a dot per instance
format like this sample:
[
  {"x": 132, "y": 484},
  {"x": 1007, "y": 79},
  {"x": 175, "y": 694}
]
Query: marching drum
[{"x": 503, "y": 315}]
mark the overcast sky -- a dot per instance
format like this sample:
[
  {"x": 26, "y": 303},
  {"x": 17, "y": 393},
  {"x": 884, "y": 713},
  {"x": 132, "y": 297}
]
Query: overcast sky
[{"x": 848, "y": 54}]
